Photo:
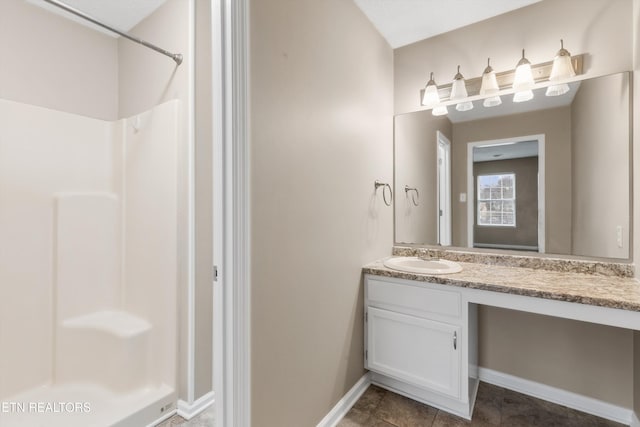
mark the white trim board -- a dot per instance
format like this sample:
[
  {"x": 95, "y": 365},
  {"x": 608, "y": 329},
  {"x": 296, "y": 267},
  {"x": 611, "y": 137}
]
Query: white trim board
[
  {"x": 189, "y": 410},
  {"x": 635, "y": 422},
  {"x": 346, "y": 403},
  {"x": 191, "y": 215},
  {"x": 555, "y": 395},
  {"x": 232, "y": 349}
]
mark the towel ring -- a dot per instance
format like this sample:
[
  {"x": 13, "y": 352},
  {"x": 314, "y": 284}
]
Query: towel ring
[
  {"x": 384, "y": 192},
  {"x": 414, "y": 197}
]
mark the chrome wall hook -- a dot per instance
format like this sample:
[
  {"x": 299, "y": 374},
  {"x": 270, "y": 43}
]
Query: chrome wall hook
[
  {"x": 384, "y": 192},
  {"x": 414, "y": 197}
]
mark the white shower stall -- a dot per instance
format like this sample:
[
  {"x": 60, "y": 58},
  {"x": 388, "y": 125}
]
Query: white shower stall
[{"x": 88, "y": 267}]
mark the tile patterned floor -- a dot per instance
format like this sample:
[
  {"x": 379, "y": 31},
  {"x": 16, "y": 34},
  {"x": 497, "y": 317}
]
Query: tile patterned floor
[
  {"x": 204, "y": 419},
  {"x": 495, "y": 406}
]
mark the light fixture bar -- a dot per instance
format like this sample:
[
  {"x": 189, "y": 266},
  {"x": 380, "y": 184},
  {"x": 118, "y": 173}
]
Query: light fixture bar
[{"x": 541, "y": 72}]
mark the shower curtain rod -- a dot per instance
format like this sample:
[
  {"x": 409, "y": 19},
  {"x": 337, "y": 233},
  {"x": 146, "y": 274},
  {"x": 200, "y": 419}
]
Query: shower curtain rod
[{"x": 175, "y": 56}]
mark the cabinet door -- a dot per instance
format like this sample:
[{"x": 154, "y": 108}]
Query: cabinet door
[{"x": 415, "y": 350}]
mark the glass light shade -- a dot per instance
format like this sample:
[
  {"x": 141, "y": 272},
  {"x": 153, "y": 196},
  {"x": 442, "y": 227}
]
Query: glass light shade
[
  {"x": 440, "y": 110},
  {"x": 523, "y": 79},
  {"x": 458, "y": 87},
  {"x": 489, "y": 82},
  {"x": 492, "y": 102},
  {"x": 464, "y": 106},
  {"x": 557, "y": 90},
  {"x": 431, "y": 98},
  {"x": 523, "y": 96},
  {"x": 562, "y": 67}
]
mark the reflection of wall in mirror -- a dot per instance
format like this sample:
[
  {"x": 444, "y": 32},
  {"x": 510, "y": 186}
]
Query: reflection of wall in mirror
[
  {"x": 416, "y": 150},
  {"x": 525, "y": 232},
  {"x": 555, "y": 124},
  {"x": 601, "y": 167}
]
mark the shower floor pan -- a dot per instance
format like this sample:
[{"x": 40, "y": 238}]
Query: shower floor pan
[{"x": 85, "y": 405}]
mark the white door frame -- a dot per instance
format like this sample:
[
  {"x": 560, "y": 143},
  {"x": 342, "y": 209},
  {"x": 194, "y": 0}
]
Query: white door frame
[
  {"x": 444, "y": 221},
  {"x": 231, "y": 345},
  {"x": 541, "y": 185}
]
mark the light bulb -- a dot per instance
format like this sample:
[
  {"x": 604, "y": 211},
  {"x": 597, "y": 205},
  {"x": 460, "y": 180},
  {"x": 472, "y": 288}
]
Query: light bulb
[
  {"x": 561, "y": 69},
  {"x": 490, "y": 86},
  {"x": 489, "y": 82},
  {"x": 431, "y": 98},
  {"x": 523, "y": 79},
  {"x": 459, "y": 91},
  {"x": 458, "y": 87}
]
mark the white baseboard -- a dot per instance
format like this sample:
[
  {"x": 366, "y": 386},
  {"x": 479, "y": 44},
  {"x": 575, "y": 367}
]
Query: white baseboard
[
  {"x": 342, "y": 407},
  {"x": 635, "y": 422},
  {"x": 189, "y": 410},
  {"x": 572, "y": 400}
]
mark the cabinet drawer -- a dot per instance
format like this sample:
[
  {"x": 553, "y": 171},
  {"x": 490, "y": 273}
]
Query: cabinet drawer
[{"x": 414, "y": 298}]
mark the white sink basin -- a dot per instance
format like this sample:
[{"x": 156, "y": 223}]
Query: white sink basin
[{"x": 424, "y": 266}]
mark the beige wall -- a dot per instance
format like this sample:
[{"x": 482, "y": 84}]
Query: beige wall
[
  {"x": 525, "y": 232},
  {"x": 204, "y": 201},
  {"x": 321, "y": 134},
  {"x": 416, "y": 150},
  {"x": 600, "y": 172},
  {"x": 52, "y": 62},
  {"x": 593, "y": 360},
  {"x": 595, "y": 26},
  {"x": 146, "y": 79},
  {"x": 555, "y": 124}
]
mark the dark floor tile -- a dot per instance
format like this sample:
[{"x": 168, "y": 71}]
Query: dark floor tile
[
  {"x": 358, "y": 418},
  {"x": 519, "y": 410},
  {"x": 488, "y": 392},
  {"x": 444, "y": 419},
  {"x": 488, "y": 407},
  {"x": 495, "y": 407},
  {"x": 403, "y": 412},
  {"x": 580, "y": 419},
  {"x": 371, "y": 398}
]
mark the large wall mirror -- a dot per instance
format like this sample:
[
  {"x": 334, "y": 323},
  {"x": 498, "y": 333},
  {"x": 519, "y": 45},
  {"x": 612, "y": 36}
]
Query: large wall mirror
[{"x": 551, "y": 175}]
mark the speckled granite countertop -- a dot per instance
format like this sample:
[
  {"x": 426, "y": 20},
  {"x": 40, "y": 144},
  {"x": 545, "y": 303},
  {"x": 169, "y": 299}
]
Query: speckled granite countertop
[{"x": 592, "y": 289}]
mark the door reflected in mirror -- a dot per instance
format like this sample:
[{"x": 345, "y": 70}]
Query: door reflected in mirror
[{"x": 550, "y": 176}]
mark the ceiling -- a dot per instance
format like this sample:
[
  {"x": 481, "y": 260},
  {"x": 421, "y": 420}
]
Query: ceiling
[
  {"x": 505, "y": 151},
  {"x": 121, "y": 14},
  {"x": 402, "y": 22}
]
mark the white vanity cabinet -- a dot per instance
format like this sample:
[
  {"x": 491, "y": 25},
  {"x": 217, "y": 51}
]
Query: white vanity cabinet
[{"x": 418, "y": 338}]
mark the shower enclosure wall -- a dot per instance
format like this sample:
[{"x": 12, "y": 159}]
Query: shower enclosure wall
[{"x": 88, "y": 267}]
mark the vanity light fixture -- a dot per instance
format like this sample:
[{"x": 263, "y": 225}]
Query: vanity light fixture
[
  {"x": 523, "y": 81},
  {"x": 562, "y": 69},
  {"x": 554, "y": 75},
  {"x": 431, "y": 97},
  {"x": 490, "y": 86},
  {"x": 459, "y": 91}
]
